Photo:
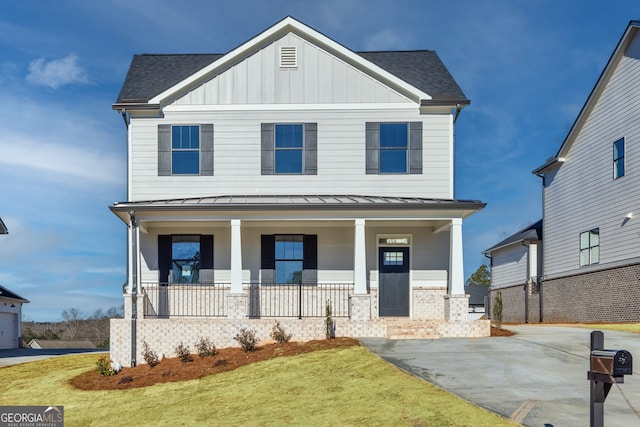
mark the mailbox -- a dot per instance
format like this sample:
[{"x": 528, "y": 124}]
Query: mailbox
[{"x": 616, "y": 363}]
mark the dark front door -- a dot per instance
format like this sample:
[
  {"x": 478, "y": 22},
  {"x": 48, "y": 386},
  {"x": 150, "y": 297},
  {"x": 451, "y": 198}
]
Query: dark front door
[{"x": 394, "y": 281}]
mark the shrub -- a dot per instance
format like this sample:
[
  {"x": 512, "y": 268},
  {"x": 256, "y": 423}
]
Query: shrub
[
  {"x": 279, "y": 335},
  {"x": 184, "y": 353},
  {"x": 206, "y": 348},
  {"x": 247, "y": 339},
  {"x": 328, "y": 322},
  {"x": 150, "y": 356},
  {"x": 105, "y": 368},
  {"x": 497, "y": 310}
]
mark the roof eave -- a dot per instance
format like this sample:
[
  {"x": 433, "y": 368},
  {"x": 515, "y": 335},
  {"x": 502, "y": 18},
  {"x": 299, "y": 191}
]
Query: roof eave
[
  {"x": 128, "y": 106},
  {"x": 444, "y": 102},
  {"x": 552, "y": 163}
]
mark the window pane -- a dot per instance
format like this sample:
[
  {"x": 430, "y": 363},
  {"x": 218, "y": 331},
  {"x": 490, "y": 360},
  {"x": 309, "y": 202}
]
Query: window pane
[
  {"x": 289, "y": 161},
  {"x": 289, "y": 248},
  {"x": 185, "y": 162},
  {"x": 584, "y": 258},
  {"x": 618, "y": 168},
  {"x": 393, "y": 135},
  {"x": 584, "y": 240},
  {"x": 594, "y": 236},
  {"x": 288, "y": 272},
  {"x": 595, "y": 255},
  {"x": 618, "y": 149},
  {"x": 393, "y": 258},
  {"x": 289, "y": 136},
  {"x": 393, "y": 161},
  {"x": 185, "y": 265},
  {"x": 175, "y": 137}
]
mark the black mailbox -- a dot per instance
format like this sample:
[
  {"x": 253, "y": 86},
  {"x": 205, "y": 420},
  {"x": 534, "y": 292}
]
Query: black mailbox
[{"x": 616, "y": 363}]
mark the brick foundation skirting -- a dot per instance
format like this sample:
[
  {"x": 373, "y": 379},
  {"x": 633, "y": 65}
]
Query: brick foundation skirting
[
  {"x": 514, "y": 300},
  {"x": 611, "y": 295}
]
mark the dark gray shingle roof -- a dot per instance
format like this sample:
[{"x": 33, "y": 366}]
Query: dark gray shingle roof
[
  {"x": 3, "y": 228},
  {"x": 532, "y": 232},
  {"x": 150, "y": 75},
  {"x": 6, "y": 293}
]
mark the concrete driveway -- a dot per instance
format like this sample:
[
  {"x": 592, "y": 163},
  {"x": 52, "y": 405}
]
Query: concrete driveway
[
  {"x": 537, "y": 377},
  {"x": 22, "y": 355}
]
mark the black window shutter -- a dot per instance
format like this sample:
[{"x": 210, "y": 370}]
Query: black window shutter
[
  {"x": 267, "y": 140},
  {"x": 372, "y": 139},
  {"x": 164, "y": 150},
  {"x": 310, "y": 148},
  {"x": 268, "y": 252},
  {"x": 415, "y": 147},
  {"x": 164, "y": 258},
  {"x": 206, "y": 149},
  {"x": 310, "y": 249},
  {"x": 206, "y": 252}
]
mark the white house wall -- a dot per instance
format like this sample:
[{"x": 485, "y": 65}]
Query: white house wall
[
  {"x": 583, "y": 194},
  {"x": 319, "y": 78},
  {"x": 341, "y": 155},
  {"x": 509, "y": 266}
]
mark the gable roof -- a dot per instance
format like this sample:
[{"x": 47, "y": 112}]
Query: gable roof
[
  {"x": 529, "y": 233},
  {"x": 153, "y": 78},
  {"x": 7, "y": 294},
  {"x": 3, "y": 228},
  {"x": 628, "y": 35}
]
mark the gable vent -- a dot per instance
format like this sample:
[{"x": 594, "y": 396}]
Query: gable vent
[{"x": 288, "y": 57}]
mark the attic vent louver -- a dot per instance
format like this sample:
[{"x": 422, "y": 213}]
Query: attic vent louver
[{"x": 288, "y": 57}]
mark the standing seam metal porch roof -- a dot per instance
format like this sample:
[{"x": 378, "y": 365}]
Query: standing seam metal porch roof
[{"x": 257, "y": 202}]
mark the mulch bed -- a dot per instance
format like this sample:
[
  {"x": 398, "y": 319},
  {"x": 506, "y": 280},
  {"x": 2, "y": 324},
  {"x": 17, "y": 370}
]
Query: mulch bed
[
  {"x": 499, "y": 332},
  {"x": 173, "y": 369}
]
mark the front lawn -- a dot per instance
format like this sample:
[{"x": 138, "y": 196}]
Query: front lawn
[{"x": 349, "y": 386}]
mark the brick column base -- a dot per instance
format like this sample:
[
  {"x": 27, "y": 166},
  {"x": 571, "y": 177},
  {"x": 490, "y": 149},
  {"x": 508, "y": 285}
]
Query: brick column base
[
  {"x": 360, "y": 308},
  {"x": 456, "y": 307},
  {"x": 237, "y": 306}
]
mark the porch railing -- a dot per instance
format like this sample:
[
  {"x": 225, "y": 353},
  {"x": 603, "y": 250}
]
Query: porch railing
[
  {"x": 265, "y": 300},
  {"x": 185, "y": 300},
  {"x": 304, "y": 300}
]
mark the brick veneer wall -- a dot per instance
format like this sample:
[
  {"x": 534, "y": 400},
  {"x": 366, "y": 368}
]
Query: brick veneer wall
[
  {"x": 514, "y": 304},
  {"x": 611, "y": 295}
]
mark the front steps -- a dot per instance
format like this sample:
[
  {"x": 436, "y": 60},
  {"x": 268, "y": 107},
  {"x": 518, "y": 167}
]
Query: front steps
[{"x": 406, "y": 329}]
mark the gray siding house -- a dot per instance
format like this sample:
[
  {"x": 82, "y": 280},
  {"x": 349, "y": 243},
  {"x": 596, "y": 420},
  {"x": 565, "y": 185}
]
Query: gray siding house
[
  {"x": 591, "y": 195},
  {"x": 285, "y": 175}
]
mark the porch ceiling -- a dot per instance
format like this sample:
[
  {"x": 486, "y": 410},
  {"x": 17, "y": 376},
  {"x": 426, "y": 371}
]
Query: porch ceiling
[{"x": 283, "y": 206}]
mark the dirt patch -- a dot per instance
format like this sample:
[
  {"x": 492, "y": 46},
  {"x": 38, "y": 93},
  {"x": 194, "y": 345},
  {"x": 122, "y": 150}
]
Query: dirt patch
[
  {"x": 499, "y": 332},
  {"x": 174, "y": 370}
]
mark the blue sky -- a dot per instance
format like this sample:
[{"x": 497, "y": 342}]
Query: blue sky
[{"x": 527, "y": 66}]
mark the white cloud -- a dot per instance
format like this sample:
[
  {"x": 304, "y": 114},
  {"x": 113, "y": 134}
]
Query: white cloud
[
  {"x": 57, "y": 72},
  {"x": 387, "y": 40}
]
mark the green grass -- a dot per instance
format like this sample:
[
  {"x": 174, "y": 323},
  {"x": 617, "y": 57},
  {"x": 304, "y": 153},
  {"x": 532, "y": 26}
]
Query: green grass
[
  {"x": 340, "y": 387},
  {"x": 623, "y": 327}
]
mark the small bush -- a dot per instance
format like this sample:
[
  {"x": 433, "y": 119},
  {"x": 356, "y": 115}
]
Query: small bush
[
  {"x": 330, "y": 331},
  {"x": 184, "y": 353},
  {"x": 279, "y": 335},
  {"x": 105, "y": 368},
  {"x": 205, "y": 348},
  {"x": 247, "y": 339},
  {"x": 150, "y": 356}
]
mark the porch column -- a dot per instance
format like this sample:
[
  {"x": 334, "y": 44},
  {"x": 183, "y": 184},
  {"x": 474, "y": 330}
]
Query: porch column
[
  {"x": 359, "y": 260},
  {"x": 236, "y": 257},
  {"x": 456, "y": 265}
]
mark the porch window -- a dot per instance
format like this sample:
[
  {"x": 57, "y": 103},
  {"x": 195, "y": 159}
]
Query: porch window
[
  {"x": 289, "y": 258},
  {"x": 185, "y": 263}
]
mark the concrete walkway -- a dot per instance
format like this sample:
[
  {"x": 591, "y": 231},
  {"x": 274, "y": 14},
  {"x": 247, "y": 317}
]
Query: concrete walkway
[
  {"x": 537, "y": 377},
  {"x": 23, "y": 355}
]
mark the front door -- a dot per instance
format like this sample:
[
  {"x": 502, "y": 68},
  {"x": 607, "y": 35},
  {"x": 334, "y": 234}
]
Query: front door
[{"x": 393, "y": 265}]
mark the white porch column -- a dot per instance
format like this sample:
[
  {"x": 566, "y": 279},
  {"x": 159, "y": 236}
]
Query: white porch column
[
  {"x": 133, "y": 274},
  {"x": 456, "y": 265},
  {"x": 236, "y": 257},
  {"x": 359, "y": 259}
]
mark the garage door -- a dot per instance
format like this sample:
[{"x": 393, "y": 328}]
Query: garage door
[{"x": 8, "y": 330}]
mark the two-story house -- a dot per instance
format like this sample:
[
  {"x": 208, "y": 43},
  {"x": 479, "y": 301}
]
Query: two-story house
[
  {"x": 285, "y": 176},
  {"x": 591, "y": 201}
]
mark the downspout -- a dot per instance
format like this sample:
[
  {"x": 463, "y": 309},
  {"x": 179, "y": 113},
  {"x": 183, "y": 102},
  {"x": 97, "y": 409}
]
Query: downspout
[
  {"x": 526, "y": 285},
  {"x": 134, "y": 287},
  {"x": 487, "y": 306},
  {"x": 541, "y": 273}
]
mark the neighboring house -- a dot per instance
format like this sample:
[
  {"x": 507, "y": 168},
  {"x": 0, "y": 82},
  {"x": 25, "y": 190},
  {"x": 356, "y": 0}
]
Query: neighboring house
[
  {"x": 516, "y": 266},
  {"x": 478, "y": 300},
  {"x": 285, "y": 174},
  {"x": 591, "y": 200},
  {"x": 10, "y": 318}
]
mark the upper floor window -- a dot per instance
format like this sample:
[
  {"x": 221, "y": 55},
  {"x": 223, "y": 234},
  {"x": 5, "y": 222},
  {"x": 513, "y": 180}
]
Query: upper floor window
[
  {"x": 394, "y": 148},
  {"x": 590, "y": 247},
  {"x": 185, "y": 149},
  {"x": 618, "y": 158},
  {"x": 289, "y": 149}
]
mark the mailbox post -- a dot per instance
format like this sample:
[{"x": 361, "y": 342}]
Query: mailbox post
[{"x": 607, "y": 367}]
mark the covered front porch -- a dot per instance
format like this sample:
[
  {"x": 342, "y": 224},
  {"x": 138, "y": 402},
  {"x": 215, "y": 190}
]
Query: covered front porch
[{"x": 383, "y": 266}]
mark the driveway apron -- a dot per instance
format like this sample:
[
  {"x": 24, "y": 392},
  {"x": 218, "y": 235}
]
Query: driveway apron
[{"x": 537, "y": 377}]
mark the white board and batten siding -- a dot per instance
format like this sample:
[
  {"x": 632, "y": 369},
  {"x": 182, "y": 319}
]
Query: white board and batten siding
[{"x": 582, "y": 194}]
